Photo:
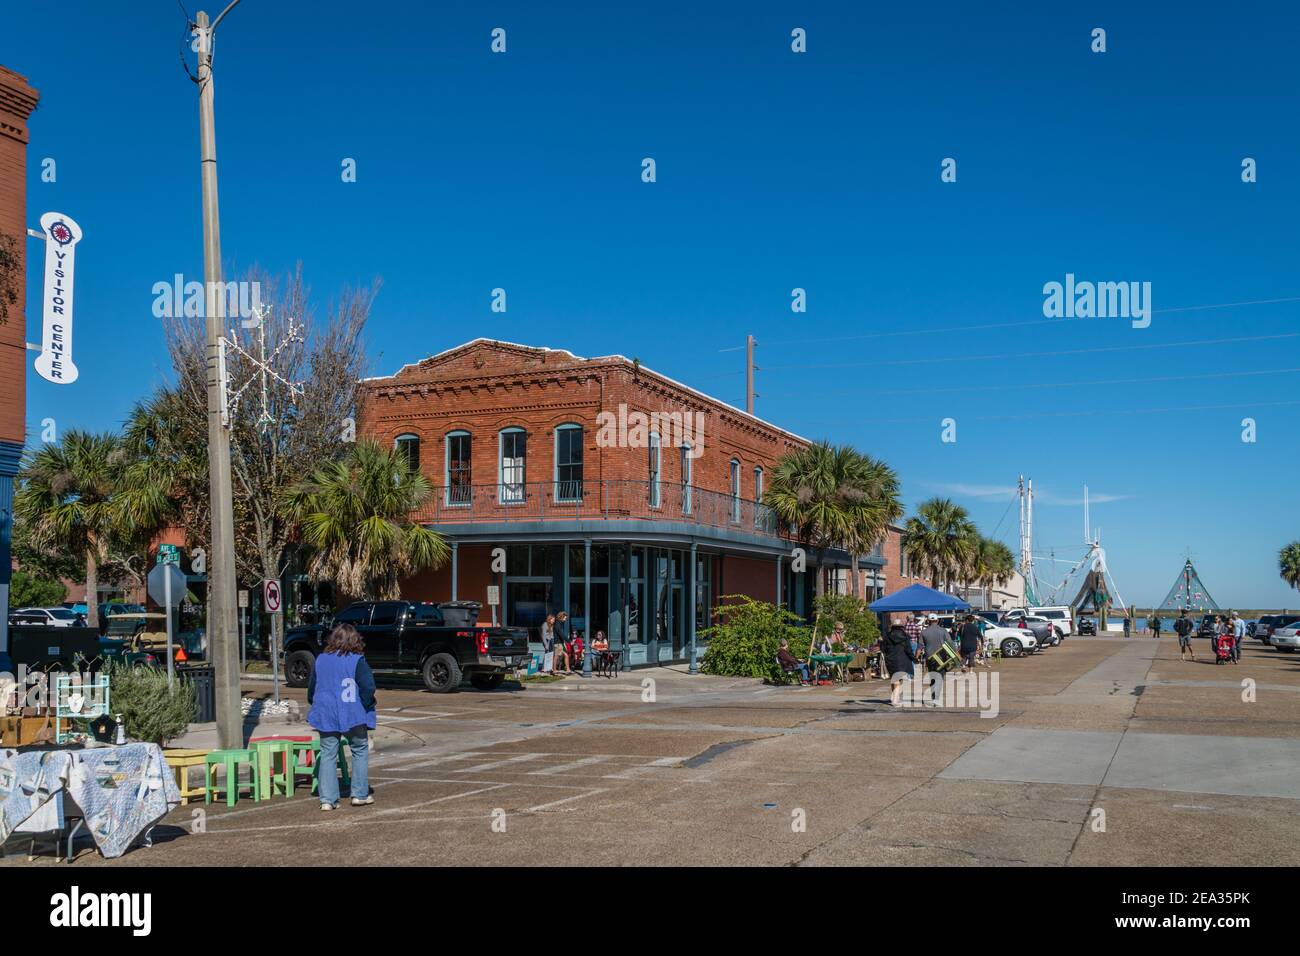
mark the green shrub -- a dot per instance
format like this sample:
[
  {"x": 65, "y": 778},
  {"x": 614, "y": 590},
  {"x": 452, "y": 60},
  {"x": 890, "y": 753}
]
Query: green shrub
[
  {"x": 861, "y": 627},
  {"x": 152, "y": 713},
  {"x": 744, "y": 642},
  {"x": 30, "y": 590}
]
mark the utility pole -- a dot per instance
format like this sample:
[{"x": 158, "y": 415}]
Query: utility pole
[
  {"x": 223, "y": 624},
  {"x": 750, "y": 369}
]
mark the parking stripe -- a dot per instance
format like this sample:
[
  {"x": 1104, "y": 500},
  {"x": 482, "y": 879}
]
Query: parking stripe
[
  {"x": 566, "y": 767},
  {"x": 522, "y": 758}
]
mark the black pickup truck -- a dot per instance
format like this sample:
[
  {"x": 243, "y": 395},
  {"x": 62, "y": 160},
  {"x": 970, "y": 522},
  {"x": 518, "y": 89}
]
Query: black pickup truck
[{"x": 440, "y": 642}]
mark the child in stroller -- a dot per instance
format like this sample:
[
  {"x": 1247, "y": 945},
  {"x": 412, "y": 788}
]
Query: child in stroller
[{"x": 1223, "y": 647}]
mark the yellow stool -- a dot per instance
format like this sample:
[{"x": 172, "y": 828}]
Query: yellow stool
[{"x": 180, "y": 760}]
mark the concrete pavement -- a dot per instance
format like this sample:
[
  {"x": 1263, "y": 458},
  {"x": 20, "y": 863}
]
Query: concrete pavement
[{"x": 1104, "y": 751}]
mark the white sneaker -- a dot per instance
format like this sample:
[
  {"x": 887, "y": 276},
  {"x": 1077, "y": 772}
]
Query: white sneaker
[
  {"x": 358, "y": 802},
  {"x": 329, "y": 806}
]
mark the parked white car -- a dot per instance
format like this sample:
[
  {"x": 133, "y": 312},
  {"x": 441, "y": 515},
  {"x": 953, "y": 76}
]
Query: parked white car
[
  {"x": 1013, "y": 641},
  {"x": 54, "y": 616},
  {"x": 1286, "y": 638}
]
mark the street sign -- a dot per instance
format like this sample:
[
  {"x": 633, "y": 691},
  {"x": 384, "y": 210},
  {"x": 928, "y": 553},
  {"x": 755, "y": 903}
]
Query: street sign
[
  {"x": 167, "y": 585},
  {"x": 62, "y": 234},
  {"x": 494, "y": 595},
  {"x": 169, "y": 554},
  {"x": 243, "y": 598},
  {"x": 271, "y": 595}
]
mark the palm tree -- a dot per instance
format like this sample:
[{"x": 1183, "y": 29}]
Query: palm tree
[
  {"x": 66, "y": 498},
  {"x": 940, "y": 540},
  {"x": 992, "y": 566},
  {"x": 354, "y": 516},
  {"x": 834, "y": 496},
  {"x": 870, "y": 493},
  {"x": 1288, "y": 563}
]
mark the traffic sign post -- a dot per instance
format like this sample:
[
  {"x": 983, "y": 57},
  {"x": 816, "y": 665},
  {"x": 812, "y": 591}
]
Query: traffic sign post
[
  {"x": 243, "y": 641},
  {"x": 167, "y": 587},
  {"x": 271, "y": 603}
]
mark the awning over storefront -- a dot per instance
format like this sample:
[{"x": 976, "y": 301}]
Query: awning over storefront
[{"x": 918, "y": 597}]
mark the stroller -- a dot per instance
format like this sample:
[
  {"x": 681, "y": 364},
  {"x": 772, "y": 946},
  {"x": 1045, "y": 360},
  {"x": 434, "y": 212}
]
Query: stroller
[{"x": 1223, "y": 648}]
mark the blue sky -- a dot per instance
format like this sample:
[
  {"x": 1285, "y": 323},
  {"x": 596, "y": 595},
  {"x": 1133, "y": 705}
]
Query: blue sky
[{"x": 775, "y": 170}]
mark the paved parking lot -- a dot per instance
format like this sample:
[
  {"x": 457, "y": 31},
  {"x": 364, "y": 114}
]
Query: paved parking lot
[{"x": 1103, "y": 751}]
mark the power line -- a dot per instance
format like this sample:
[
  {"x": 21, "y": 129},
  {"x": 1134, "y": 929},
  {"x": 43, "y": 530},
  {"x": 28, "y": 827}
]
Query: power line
[
  {"x": 1011, "y": 325},
  {"x": 1145, "y": 380},
  {"x": 1016, "y": 355},
  {"x": 1074, "y": 414}
]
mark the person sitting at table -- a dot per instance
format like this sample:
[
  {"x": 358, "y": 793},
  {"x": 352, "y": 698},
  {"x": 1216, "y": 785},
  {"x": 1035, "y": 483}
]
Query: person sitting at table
[
  {"x": 341, "y": 692},
  {"x": 789, "y": 663}
]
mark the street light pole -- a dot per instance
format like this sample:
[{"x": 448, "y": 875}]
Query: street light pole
[{"x": 222, "y": 619}]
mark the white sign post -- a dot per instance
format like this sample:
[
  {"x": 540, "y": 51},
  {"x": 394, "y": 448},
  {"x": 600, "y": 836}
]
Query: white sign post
[
  {"x": 243, "y": 614},
  {"x": 62, "y": 234},
  {"x": 271, "y": 602}
]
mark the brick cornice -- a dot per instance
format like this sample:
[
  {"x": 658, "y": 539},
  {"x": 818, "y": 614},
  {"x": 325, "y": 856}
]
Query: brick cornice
[{"x": 17, "y": 101}]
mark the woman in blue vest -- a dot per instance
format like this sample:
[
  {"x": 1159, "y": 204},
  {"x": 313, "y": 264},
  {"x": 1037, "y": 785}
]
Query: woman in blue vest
[{"x": 341, "y": 693}]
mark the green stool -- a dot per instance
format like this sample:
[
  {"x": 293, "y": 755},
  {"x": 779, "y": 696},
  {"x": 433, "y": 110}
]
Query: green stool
[
  {"x": 314, "y": 769},
  {"x": 232, "y": 760},
  {"x": 268, "y": 780}
]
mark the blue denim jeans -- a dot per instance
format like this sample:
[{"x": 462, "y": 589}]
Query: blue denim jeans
[{"x": 328, "y": 773}]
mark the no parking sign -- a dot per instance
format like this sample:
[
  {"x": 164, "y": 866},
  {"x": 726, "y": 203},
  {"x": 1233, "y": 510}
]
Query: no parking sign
[{"x": 271, "y": 595}]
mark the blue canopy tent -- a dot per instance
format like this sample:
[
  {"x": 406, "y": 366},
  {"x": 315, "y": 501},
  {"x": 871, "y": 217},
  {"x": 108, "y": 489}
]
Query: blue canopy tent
[{"x": 917, "y": 597}]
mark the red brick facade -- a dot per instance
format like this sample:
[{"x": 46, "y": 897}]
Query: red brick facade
[
  {"x": 486, "y": 386},
  {"x": 17, "y": 100}
]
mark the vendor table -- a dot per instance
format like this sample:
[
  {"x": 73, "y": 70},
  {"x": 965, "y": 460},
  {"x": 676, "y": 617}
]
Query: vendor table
[
  {"x": 121, "y": 792},
  {"x": 836, "y": 661}
]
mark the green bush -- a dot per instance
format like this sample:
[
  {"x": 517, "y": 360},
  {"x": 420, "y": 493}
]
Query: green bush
[
  {"x": 861, "y": 627},
  {"x": 29, "y": 590},
  {"x": 744, "y": 642},
  {"x": 152, "y": 713}
]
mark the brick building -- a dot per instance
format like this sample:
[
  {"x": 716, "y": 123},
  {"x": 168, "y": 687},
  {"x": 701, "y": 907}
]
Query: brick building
[
  {"x": 17, "y": 100},
  {"x": 608, "y": 486}
]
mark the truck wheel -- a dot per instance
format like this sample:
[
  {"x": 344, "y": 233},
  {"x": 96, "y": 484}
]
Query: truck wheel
[
  {"x": 1011, "y": 647},
  {"x": 487, "y": 681},
  {"x": 441, "y": 673},
  {"x": 298, "y": 668}
]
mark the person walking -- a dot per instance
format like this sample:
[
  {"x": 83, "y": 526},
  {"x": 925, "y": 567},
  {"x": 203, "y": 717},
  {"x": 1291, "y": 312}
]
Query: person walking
[
  {"x": 970, "y": 642},
  {"x": 913, "y": 628},
  {"x": 1128, "y": 626},
  {"x": 1238, "y": 635},
  {"x": 561, "y": 643},
  {"x": 1183, "y": 628},
  {"x": 934, "y": 637},
  {"x": 898, "y": 661},
  {"x": 1155, "y": 625},
  {"x": 341, "y": 692}
]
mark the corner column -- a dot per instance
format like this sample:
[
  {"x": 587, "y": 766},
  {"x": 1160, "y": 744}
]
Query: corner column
[
  {"x": 690, "y": 617},
  {"x": 455, "y": 555}
]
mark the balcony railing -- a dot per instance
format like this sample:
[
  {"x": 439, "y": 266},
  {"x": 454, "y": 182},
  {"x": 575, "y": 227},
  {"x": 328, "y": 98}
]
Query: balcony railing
[{"x": 596, "y": 500}]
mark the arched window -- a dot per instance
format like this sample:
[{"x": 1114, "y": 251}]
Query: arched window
[
  {"x": 655, "y": 467},
  {"x": 409, "y": 446},
  {"x": 513, "y": 469},
  {"x": 735, "y": 490},
  {"x": 568, "y": 463},
  {"x": 456, "y": 466}
]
